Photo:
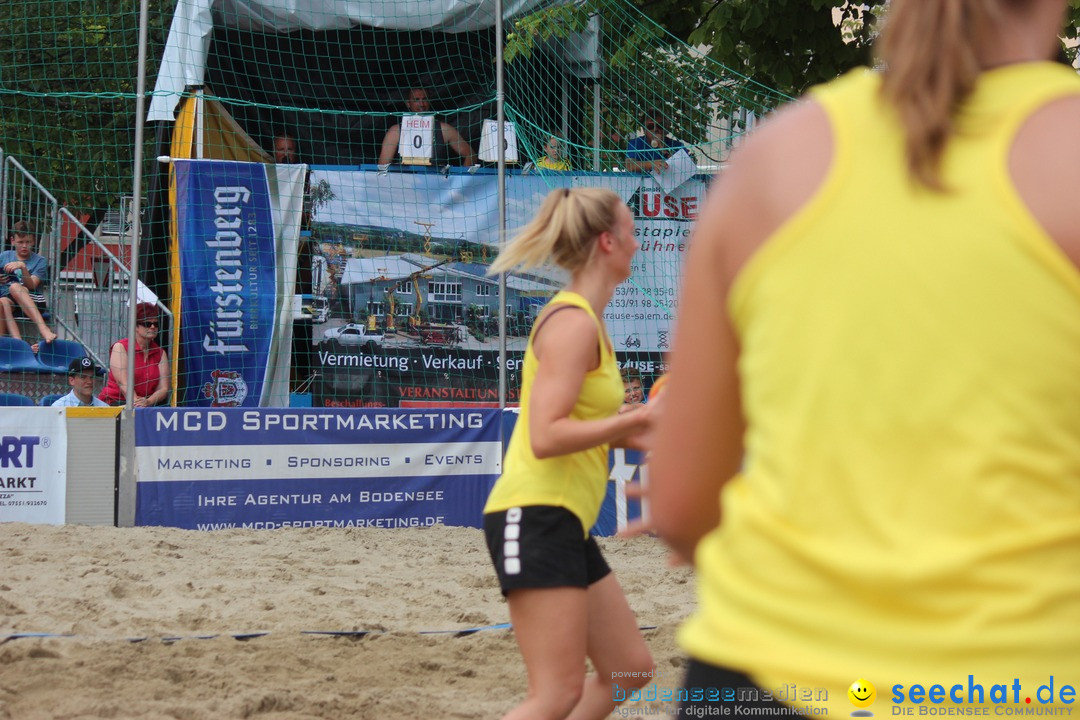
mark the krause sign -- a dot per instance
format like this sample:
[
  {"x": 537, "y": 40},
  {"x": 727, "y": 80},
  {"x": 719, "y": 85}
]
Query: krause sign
[
  {"x": 272, "y": 468},
  {"x": 33, "y": 465}
]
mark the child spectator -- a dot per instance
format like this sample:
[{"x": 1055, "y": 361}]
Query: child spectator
[{"x": 22, "y": 282}]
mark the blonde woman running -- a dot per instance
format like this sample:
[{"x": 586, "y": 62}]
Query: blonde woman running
[{"x": 565, "y": 605}]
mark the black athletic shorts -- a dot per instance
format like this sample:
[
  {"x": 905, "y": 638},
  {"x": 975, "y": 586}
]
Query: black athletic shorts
[
  {"x": 37, "y": 297},
  {"x": 705, "y": 685},
  {"x": 540, "y": 546}
]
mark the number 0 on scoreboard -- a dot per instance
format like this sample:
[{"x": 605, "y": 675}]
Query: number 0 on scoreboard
[{"x": 415, "y": 142}]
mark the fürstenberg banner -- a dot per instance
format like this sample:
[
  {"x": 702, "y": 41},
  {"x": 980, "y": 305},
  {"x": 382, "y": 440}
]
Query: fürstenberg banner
[{"x": 239, "y": 227}]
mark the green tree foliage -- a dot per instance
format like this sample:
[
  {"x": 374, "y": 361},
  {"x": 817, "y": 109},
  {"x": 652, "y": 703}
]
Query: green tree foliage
[
  {"x": 789, "y": 45},
  {"x": 646, "y": 70},
  {"x": 784, "y": 46},
  {"x": 321, "y": 195},
  {"x": 68, "y": 72}
]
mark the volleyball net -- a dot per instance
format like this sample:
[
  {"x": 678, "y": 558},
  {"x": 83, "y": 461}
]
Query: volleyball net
[{"x": 321, "y": 193}]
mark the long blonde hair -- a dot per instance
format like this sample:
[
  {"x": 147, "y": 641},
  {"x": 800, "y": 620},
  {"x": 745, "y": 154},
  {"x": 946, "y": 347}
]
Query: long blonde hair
[
  {"x": 930, "y": 49},
  {"x": 563, "y": 230}
]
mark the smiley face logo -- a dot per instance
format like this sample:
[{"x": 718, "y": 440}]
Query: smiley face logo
[{"x": 862, "y": 693}]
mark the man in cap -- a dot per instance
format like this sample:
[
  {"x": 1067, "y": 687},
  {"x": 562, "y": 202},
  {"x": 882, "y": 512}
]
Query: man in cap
[{"x": 82, "y": 374}]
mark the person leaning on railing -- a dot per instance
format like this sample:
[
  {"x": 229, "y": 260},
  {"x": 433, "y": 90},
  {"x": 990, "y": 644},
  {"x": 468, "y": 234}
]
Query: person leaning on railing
[
  {"x": 151, "y": 363},
  {"x": 446, "y": 137},
  {"x": 650, "y": 151}
]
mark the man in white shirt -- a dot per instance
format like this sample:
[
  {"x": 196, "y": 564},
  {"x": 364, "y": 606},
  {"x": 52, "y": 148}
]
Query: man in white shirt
[{"x": 82, "y": 376}]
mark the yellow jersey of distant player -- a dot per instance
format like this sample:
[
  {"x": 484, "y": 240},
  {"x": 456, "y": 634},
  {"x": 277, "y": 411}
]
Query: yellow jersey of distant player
[{"x": 576, "y": 481}]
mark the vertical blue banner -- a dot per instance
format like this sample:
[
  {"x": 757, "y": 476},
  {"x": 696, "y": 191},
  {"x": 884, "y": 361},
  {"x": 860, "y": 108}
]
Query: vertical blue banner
[{"x": 231, "y": 278}]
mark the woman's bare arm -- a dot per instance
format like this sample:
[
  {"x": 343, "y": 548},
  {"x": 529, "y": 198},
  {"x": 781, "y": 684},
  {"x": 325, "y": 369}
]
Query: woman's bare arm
[{"x": 566, "y": 349}]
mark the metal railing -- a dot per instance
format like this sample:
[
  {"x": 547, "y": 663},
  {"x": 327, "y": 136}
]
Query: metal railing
[{"x": 89, "y": 285}]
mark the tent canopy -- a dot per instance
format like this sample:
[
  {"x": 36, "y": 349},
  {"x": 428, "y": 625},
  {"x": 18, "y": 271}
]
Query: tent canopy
[{"x": 188, "y": 47}]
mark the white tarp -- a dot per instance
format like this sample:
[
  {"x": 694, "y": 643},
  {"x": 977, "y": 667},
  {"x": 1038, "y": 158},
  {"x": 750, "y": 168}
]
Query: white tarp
[{"x": 184, "y": 62}]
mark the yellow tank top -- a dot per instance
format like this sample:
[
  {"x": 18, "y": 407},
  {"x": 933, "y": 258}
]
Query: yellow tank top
[
  {"x": 909, "y": 507},
  {"x": 576, "y": 481}
]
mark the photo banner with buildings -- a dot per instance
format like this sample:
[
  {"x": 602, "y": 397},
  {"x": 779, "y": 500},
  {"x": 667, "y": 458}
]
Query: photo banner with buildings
[{"x": 412, "y": 314}]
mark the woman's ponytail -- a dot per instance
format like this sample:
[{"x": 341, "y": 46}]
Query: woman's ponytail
[
  {"x": 562, "y": 232},
  {"x": 930, "y": 52}
]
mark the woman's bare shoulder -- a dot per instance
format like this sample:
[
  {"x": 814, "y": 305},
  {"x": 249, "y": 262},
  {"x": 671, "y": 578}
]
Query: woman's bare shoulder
[
  {"x": 773, "y": 174},
  {"x": 1044, "y": 163}
]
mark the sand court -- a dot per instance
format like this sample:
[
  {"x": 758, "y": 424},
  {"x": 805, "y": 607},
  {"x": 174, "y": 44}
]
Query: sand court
[{"x": 169, "y": 623}]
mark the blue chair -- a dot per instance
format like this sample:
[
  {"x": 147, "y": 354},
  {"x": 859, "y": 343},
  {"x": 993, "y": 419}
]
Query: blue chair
[
  {"x": 48, "y": 400},
  {"x": 59, "y": 353},
  {"x": 12, "y": 399},
  {"x": 16, "y": 356}
]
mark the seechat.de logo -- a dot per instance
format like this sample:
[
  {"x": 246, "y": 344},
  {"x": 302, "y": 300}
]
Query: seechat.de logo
[{"x": 862, "y": 695}]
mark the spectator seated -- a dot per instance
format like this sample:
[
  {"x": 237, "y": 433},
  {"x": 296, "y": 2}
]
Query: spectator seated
[
  {"x": 11, "y": 399},
  {"x": 16, "y": 356},
  {"x": 48, "y": 400},
  {"x": 58, "y": 354}
]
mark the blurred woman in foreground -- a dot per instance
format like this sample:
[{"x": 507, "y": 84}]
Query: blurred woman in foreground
[{"x": 875, "y": 462}]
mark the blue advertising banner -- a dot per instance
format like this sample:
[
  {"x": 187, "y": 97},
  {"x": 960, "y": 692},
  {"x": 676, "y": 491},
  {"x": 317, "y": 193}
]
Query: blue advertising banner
[
  {"x": 203, "y": 469},
  {"x": 238, "y": 226},
  {"x": 270, "y": 468}
]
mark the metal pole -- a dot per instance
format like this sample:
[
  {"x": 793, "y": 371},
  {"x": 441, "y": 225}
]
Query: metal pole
[
  {"x": 136, "y": 202},
  {"x": 597, "y": 69},
  {"x": 200, "y": 121},
  {"x": 500, "y": 117},
  {"x": 3, "y": 197},
  {"x": 596, "y": 126},
  {"x": 565, "y": 106},
  {"x": 54, "y": 248}
]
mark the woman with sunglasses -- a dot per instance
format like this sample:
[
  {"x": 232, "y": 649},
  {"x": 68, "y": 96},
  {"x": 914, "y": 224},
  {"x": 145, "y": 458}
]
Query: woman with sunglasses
[{"x": 151, "y": 363}]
